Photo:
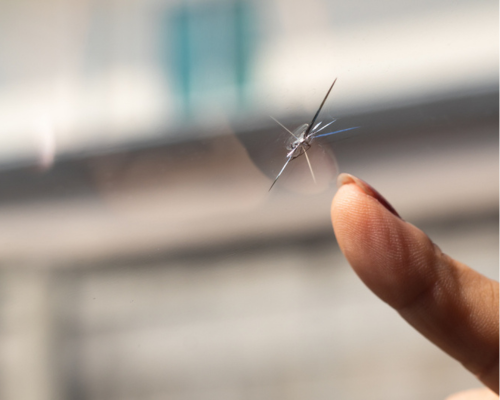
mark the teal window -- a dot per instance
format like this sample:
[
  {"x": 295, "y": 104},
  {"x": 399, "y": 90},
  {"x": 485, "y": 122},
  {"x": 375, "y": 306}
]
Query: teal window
[{"x": 209, "y": 54}]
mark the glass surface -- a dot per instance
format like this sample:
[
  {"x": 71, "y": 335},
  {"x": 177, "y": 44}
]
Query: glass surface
[
  {"x": 286, "y": 158},
  {"x": 142, "y": 255},
  {"x": 310, "y": 167}
]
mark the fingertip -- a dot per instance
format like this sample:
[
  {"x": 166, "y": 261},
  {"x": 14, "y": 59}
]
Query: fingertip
[
  {"x": 346, "y": 179},
  {"x": 362, "y": 220},
  {"x": 375, "y": 241},
  {"x": 442, "y": 298}
]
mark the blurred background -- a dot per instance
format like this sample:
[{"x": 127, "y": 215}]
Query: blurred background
[{"x": 141, "y": 255}]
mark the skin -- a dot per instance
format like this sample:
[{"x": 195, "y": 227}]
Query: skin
[{"x": 452, "y": 305}]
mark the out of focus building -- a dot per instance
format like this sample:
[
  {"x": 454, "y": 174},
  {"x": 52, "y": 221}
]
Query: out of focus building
[{"x": 141, "y": 254}]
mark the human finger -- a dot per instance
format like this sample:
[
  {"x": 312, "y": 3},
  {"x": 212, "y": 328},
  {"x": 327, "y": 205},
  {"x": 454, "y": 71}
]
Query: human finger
[{"x": 452, "y": 305}]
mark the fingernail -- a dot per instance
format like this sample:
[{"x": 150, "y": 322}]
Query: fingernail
[{"x": 345, "y": 179}]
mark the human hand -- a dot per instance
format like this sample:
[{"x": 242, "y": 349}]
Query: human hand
[{"x": 452, "y": 305}]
